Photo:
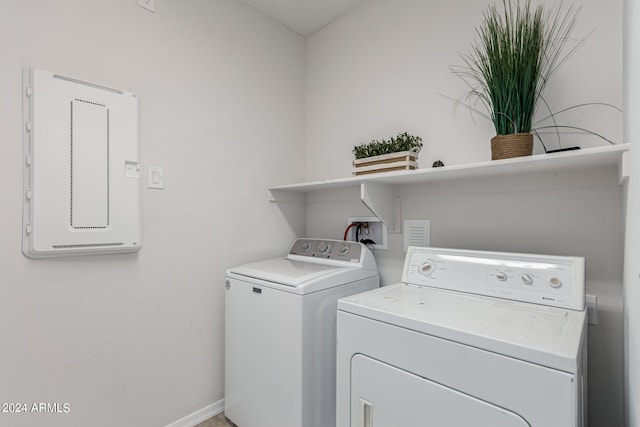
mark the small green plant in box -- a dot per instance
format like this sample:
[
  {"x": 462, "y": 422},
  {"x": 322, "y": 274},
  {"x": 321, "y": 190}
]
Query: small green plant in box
[
  {"x": 398, "y": 153},
  {"x": 402, "y": 142}
]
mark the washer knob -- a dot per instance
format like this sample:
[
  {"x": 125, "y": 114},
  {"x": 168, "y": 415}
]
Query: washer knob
[
  {"x": 344, "y": 250},
  {"x": 501, "y": 276},
  {"x": 306, "y": 246},
  {"x": 527, "y": 279},
  {"x": 554, "y": 282},
  {"x": 324, "y": 247}
]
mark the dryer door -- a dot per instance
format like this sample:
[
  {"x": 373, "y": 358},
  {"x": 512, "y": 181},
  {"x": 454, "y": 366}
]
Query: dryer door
[{"x": 385, "y": 396}]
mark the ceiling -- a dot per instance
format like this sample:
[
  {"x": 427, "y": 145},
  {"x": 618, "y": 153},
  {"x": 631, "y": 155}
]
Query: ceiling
[{"x": 305, "y": 16}]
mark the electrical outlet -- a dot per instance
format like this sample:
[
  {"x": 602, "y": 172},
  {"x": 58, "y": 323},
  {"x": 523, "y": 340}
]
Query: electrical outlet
[
  {"x": 375, "y": 230},
  {"x": 148, "y": 4}
]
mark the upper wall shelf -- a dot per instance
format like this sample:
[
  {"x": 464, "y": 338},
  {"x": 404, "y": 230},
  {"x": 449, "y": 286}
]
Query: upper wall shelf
[{"x": 376, "y": 189}]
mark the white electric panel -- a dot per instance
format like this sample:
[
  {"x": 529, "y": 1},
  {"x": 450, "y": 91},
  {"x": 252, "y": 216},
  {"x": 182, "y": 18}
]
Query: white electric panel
[{"x": 82, "y": 171}]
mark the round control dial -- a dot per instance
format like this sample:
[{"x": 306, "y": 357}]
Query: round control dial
[
  {"x": 306, "y": 246},
  {"x": 344, "y": 250},
  {"x": 501, "y": 276},
  {"x": 427, "y": 267},
  {"x": 527, "y": 279},
  {"x": 555, "y": 283},
  {"x": 324, "y": 247}
]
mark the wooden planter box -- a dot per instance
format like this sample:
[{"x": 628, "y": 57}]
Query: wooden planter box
[{"x": 403, "y": 160}]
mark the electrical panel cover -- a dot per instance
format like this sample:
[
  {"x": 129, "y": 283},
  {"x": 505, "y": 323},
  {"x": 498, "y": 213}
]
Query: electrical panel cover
[{"x": 81, "y": 167}]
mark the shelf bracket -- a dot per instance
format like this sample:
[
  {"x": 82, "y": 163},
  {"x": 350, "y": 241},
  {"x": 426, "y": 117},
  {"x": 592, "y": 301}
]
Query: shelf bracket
[
  {"x": 624, "y": 167},
  {"x": 285, "y": 196},
  {"x": 379, "y": 199}
]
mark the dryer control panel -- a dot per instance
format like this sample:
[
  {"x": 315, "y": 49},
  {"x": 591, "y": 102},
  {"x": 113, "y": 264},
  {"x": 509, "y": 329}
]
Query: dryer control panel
[{"x": 540, "y": 279}]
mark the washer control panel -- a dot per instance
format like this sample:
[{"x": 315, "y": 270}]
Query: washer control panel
[
  {"x": 550, "y": 280},
  {"x": 327, "y": 249}
]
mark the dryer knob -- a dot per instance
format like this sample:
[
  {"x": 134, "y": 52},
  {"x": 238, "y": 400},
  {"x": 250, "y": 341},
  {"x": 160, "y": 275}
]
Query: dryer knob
[
  {"x": 554, "y": 282},
  {"x": 527, "y": 279},
  {"x": 427, "y": 267}
]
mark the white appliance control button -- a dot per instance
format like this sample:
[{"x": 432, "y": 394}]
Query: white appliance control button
[
  {"x": 501, "y": 276},
  {"x": 527, "y": 279},
  {"x": 344, "y": 250},
  {"x": 554, "y": 282},
  {"x": 306, "y": 246},
  {"x": 324, "y": 247},
  {"x": 427, "y": 267}
]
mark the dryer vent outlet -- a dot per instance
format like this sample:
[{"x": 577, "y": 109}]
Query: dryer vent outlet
[{"x": 371, "y": 228}]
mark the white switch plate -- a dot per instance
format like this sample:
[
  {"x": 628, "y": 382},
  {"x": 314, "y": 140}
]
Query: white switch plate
[
  {"x": 148, "y": 4},
  {"x": 155, "y": 178}
]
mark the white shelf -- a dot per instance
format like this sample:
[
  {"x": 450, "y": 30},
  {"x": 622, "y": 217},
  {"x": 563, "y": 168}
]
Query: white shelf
[{"x": 376, "y": 189}]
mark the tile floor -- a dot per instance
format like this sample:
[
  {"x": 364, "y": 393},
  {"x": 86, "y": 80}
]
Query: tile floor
[{"x": 218, "y": 421}]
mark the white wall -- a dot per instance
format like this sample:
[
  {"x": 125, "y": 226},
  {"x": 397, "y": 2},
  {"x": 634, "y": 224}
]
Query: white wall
[
  {"x": 384, "y": 68},
  {"x": 137, "y": 339},
  {"x": 632, "y": 249},
  {"x": 377, "y": 71}
]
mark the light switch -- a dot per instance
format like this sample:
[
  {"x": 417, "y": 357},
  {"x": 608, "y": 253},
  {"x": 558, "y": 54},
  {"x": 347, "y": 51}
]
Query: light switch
[{"x": 156, "y": 177}]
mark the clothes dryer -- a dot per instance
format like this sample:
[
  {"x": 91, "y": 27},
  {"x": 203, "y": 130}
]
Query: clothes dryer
[
  {"x": 466, "y": 338},
  {"x": 280, "y": 332}
]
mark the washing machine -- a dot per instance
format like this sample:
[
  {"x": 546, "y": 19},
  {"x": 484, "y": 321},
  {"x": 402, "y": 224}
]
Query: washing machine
[
  {"x": 467, "y": 338},
  {"x": 280, "y": 332}
]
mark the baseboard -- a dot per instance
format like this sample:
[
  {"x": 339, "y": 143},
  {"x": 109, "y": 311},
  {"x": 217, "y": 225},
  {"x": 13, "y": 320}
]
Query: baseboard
[{"x": 200, "y": 415}]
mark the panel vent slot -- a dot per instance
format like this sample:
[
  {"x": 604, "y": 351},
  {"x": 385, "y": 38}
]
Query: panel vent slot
[
  {"x": 89, "y": 165},
  {"x": 93, "y": 85},
  {"x": 88, "y": 245}
]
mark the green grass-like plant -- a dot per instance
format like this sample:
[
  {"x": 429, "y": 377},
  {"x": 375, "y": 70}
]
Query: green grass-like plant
[
  {"x": 515, "y": 54},
  {"x": 402, "y": 142}
]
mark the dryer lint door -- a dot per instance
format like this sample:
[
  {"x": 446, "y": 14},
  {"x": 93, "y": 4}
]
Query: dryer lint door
[{"x": 385, "y": 396}]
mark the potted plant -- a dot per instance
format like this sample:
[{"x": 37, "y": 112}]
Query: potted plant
[
  {"x": 398, "y": 153},
  {"x": 517, "y": 51}
]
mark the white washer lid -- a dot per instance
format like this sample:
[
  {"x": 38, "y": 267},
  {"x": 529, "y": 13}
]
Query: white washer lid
[
  {"x": 284, "y": 271},
  {"x": 305, "y": 277},
  {"x": 538, "y": 334}
]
